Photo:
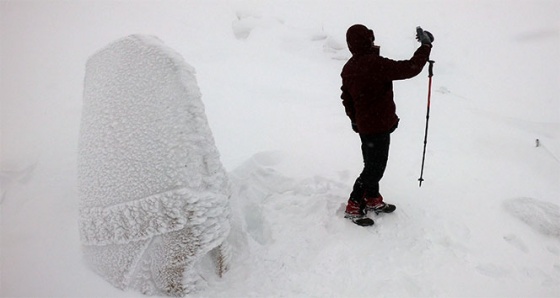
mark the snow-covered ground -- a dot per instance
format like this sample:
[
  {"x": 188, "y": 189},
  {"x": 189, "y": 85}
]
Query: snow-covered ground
[{"x": 486, "y": 221}]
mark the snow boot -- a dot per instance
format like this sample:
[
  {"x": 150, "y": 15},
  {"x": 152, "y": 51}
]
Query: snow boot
[
  {"x": 356, "y": 214},
  {"x": 377, "y": 205}
]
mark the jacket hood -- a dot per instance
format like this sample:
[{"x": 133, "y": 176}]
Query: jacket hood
[{"x": 359, "y": 39}]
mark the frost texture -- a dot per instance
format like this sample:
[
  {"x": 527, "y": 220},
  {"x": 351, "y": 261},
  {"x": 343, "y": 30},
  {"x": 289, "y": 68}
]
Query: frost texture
[{"x": 154, "y": 195}]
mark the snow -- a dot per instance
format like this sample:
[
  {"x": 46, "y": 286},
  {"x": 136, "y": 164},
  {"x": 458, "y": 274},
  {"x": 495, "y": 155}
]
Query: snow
[
  {"x": 154, "y": 195},
  {"x": 484, "y": 222}
]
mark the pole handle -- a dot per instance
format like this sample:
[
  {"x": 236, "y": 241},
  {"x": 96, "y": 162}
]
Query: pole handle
[{"x": 431, "y": 68}]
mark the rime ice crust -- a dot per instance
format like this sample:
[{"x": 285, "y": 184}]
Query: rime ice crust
[{"x": 154, "y": 195}]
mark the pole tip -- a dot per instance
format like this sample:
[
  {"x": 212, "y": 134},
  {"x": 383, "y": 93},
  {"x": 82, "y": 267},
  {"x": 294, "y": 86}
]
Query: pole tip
[{"x": 420, "y": 184}]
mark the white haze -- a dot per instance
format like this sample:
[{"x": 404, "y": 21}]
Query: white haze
[{"x": 486, "y": 221}]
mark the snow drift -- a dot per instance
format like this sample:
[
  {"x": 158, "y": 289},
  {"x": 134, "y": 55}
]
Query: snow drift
[{"x": 154, "y": 194}]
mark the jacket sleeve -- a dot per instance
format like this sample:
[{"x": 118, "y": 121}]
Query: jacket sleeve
[
  {"x": 348, "y": 103},
  {"x": 406, "y": 69}
]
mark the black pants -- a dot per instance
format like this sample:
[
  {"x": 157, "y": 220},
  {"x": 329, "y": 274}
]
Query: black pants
[{"x": 375, "y": 151}]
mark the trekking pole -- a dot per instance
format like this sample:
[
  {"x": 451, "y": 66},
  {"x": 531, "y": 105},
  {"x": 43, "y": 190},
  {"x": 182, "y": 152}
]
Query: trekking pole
[{"x": 430, "y": 75}]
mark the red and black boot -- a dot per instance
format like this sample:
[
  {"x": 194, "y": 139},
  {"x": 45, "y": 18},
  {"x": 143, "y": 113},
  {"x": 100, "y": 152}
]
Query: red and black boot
[
  {"x": 355, "y": 212},
  {"x": 377, "y": 205}
]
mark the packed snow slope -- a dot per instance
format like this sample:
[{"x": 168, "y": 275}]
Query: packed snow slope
[{"x": 486, "y": 222}]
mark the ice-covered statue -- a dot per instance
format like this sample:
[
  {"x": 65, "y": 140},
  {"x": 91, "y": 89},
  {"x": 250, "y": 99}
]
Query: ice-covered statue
[{"x": 154, "y": 195}]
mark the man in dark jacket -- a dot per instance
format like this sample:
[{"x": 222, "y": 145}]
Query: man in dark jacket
[{"x": 367, "y": 95}]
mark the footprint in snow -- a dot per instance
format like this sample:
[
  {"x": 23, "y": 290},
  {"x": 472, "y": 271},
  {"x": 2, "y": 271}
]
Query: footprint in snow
[
  {"x": 492, "y": 270},
  {"x": 443, "y": 90},
  {"x": 538, "y": 274},
  {"x": 516, "y": 242},
  {"x": 553, "y": 250},
  {"x": 543, "y": 217}
]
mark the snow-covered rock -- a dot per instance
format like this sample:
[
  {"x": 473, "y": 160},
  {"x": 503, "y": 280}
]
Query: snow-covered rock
[{"x": 154, "y": 194}]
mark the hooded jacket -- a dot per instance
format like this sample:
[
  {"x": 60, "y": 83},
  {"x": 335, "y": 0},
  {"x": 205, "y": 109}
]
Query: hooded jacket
[{"x": 367, "y": 82}]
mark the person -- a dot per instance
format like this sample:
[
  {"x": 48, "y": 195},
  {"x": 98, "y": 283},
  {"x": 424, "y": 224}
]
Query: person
[{"x": 367, "y": 96}]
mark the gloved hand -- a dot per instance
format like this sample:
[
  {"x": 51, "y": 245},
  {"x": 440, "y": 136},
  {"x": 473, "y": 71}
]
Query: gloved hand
[{"x": 424, "y": 37}]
